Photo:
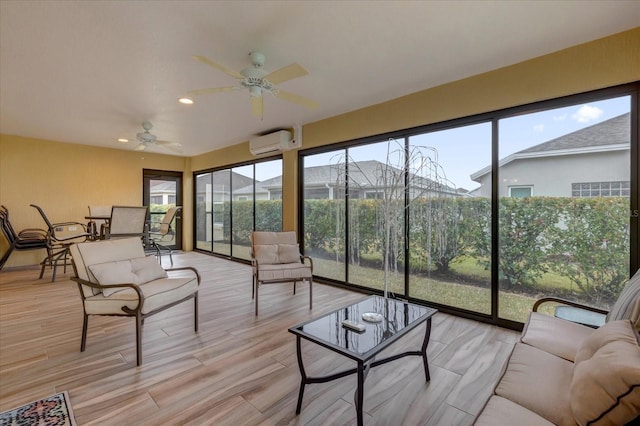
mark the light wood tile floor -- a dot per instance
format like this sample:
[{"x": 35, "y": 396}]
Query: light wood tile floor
[{"x": 238, "y": 369}]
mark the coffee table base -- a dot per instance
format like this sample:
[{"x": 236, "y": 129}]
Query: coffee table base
[{"x": 362, "y": 370}]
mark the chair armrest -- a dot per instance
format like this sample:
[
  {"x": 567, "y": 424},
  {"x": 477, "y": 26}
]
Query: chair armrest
[
  {"x": 82, "y": 234},
  {"x": 101, "y": 286},
  {"x": 303, "y": 258},
  {"x": 539, "y": 302},
  {"x": 186, "y": 268}
]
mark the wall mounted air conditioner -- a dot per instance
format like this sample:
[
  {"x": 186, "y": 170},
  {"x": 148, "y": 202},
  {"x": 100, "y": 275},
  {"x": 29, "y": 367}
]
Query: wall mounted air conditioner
[{"x": 272, "y": 143}]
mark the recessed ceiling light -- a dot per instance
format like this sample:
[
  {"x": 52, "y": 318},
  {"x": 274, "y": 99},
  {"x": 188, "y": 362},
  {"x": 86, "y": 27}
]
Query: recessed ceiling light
[
  {"x": 185, "y": 101},
  {"x": 123, "y": 140}
]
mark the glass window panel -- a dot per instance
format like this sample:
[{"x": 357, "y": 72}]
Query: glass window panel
[
  {"x": 269, "y": 196},
  {"x": 450, "y": 217},
  {"x": 324, "y": 213},
  {"x": 242, "y": 210},
  {"x": 221, "y": 211},
  {"x": 376, "y": 215},
  {"x": 204, "y": 212},
  {"x": 551, "y": 243}
]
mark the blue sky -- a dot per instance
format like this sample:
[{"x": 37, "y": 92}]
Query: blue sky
[{"x": 465, "y": 150}]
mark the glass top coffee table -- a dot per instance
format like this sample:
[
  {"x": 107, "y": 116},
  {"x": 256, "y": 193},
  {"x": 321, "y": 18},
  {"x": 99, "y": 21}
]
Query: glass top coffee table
[{"x": 328, "y": 331}]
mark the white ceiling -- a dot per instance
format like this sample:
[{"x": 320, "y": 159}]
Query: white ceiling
[{"x": 90, "y": 72}]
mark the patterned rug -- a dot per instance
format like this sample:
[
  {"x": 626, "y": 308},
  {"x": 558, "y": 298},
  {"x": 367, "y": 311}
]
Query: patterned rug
[{"x": 54, "y": 410}]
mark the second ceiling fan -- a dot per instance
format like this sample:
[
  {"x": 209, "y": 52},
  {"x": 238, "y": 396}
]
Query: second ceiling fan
[{"x": 259, "y": 82}]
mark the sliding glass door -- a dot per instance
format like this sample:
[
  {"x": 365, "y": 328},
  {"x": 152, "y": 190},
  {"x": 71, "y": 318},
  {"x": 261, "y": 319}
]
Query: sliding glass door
[{"x": 232, "y": 202}]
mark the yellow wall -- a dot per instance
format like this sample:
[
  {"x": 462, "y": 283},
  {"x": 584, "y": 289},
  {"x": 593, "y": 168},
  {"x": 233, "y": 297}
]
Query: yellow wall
[{"x": 65, "y": 178}]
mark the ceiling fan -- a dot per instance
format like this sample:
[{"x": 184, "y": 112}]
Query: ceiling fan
[
  {"x": 147, "y": 139},
  {"x": 259, "y": 82}
]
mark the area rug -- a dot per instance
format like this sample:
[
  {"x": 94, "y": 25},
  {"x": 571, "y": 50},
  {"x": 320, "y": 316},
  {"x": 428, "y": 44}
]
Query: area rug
[{"x": 54, "y": 410}]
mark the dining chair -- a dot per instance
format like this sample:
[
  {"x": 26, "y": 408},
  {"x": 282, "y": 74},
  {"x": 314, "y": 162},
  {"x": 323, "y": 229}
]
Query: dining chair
[
  {"x": 27, "y": 239},
  {"x": 60, "y": 236},
  {"x": 165, "y": 233},
  {"x": 95, "y": 226},
  {"x": 127, "y": 221}
]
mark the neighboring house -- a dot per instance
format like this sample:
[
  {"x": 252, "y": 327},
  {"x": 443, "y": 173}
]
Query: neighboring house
[
  {"x": 365, "y": 182},
  {"x": 590, "y": 162},
  {"x": 162, "y": 192},
  {"x": 270, "y": 189},
  {"x": 220, "y": 191},
  {"x": 327, "y": 182}
]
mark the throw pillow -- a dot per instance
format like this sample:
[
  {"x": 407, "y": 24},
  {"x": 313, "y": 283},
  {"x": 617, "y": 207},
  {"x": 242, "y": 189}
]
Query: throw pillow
[
  {"x": 605, "y": 388},
  {"x": 118, "y": 272},
  {"x": 628, "y": 304},
  {"x": 289, "y": 253},
  {"x": 266, "y": 254},
  {"x": 147, "y": 269}
]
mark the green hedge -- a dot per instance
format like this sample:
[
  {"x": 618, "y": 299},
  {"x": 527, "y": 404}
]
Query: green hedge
[{"x": 584, "y": 240}]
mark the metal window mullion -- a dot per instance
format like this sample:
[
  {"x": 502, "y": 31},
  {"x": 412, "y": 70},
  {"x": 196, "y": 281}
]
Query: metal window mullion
[{"x": 495, "y": 223}]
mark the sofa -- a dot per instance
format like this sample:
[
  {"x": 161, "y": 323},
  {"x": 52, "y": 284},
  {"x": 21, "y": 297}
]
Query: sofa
[{"x": 564, "y": 373}]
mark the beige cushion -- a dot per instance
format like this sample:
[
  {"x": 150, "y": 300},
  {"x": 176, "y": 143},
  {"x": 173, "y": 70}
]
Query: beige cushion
[
  {"x": 135, "y": 271},
  {"x": 554, "y": 335},
  {"x": 91, "y": 253},
  {"x": 627, "y": 305},
  {"x": 501, "y": 411},
  {"x": 284, "y": 272},
  {"x": 605, "y": 389},
  {"x": 266, "y": 254},
  {"x": 288, "y": 253},
  {"x": 157, "y": 294},
  {"x": 539, "y": 382},
  {"x": 286, "y": 237},
  {"x": 147, "y": 269}
]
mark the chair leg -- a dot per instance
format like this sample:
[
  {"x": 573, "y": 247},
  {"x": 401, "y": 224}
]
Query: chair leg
[
  {"x": 6, "y": 256},
  {"x": 195, "y": 312},
  {"x": 257, "y": 292},
  {"x": 310, "y": 294},
  {"x": 138, "y": 339},
  {"x": 83, "y": 343},
  {"x": 253, "y": 287},
  {"x": 294, "y": 287}
]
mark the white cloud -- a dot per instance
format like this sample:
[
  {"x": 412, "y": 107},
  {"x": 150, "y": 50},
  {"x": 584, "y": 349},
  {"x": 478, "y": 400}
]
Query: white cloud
[
  {"x": 538, "y": 128},
  {"x": 587, "y": 113},
  {"x": 560, "y": 117}
]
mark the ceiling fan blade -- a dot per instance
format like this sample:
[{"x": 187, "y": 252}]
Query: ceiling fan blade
[
  {"x": 286, "y": 73},
  {"x": 256, "y": 106},
  {"x": 140, "y": 147},
  {"x": 213, "y": 90},
  {"x": 297, "y": 99},
  {"x": 224, "y": 69}
]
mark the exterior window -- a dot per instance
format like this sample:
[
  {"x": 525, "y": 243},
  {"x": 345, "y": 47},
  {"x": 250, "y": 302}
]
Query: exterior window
[
  {"x": 172, "y": 199},
  {"x": 520, "y": 191},
  {"x": 232, "y": 202},
  {"x": 600, "y": 189},
  {"x": 156, "y": 199},
  {"x": 421, "y": 213}
]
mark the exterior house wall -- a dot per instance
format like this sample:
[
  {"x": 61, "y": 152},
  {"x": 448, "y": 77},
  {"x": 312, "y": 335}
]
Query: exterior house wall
[{"x": 553, "y": 176}]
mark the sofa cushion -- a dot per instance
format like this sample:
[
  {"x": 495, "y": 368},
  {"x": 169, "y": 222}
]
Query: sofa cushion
[
  {"x": 539, "y": 381},
  {"x": 500, "y": 411},
  {"x": 288, "y": 253},
  {"x": 627, "y": 306},
  {"x": 554, "y": 335},
  {"x": 605, "y": 388}
]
